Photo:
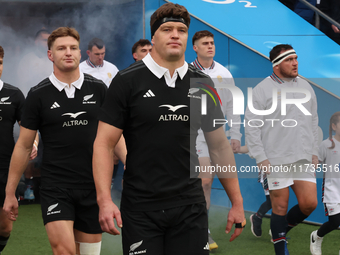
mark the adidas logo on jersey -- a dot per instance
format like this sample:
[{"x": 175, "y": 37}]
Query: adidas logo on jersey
[
  {"x": 206, "y": 247},
  {"x": 51, "y": 207},
  {"x": 55, "y": 105},
  {"x": 149, "y": 94},
  {"x": 4, "y": 99}
]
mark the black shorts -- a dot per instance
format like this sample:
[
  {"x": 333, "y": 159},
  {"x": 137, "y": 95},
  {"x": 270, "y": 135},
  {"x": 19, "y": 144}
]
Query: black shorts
[
  {"x": 3, "y": 182},
  {"x": 176, "y": 231},
  {"x": 77, "y": 205},
  {"x": 2, "y": 194}
]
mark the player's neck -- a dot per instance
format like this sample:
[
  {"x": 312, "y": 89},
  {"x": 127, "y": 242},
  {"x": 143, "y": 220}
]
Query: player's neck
[
  {"x": 67, "y": 77},
  {"x": 171, "y": 65},
  {"x": 205, "y": 62}
]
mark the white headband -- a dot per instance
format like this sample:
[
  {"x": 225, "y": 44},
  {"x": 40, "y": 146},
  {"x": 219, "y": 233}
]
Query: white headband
[{"x": 283, "y": 56}]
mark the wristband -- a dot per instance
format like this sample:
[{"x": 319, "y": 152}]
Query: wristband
[{"x": 241, "y": 225}]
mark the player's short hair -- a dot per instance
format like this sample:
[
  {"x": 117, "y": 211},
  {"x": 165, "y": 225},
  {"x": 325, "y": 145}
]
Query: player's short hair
[
  {"x": 99, "y": 43},
  {"x": 62, "y": 32},
  {"x": 277, "y": 50},
  {"x": 200, "y": 34},
  {"x": 40, "y": 32},
  {"x": 2, "y": 52},
  {"x": 170, "y": 10},
  {"x": 141, "y": 43}
]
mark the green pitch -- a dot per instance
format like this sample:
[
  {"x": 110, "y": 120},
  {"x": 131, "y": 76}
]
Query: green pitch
[{"x": 29, "y": 237}]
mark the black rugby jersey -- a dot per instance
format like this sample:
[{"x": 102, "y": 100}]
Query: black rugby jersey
[
  {"x": 160, "y": 126},
  {"x": 11, "y": 103},
  {"x": 68, "y": 128}
]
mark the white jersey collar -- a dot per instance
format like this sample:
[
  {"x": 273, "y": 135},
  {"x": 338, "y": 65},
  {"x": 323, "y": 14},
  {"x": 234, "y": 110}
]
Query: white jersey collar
[
  {"x": 160, "y": 71},
  {"x": 1, "y": 84},
  {"x": 69, "y": 90}
]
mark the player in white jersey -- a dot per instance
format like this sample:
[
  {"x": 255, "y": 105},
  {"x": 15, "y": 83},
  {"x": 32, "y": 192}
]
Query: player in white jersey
[
  {"x": 95, "y": 65},
  {"x": 329, "y": 156},
  {"x": 284, "y": 140},
  {"x": 204, "y": 46}
]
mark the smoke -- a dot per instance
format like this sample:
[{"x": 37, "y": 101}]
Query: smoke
[{"x": 119, "y": 23}]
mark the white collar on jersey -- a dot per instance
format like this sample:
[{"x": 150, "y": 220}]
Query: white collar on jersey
[
  {"x": 1, "y": 84},
  {"x": 70, "y": 90},
  {"x": 159, "y": 71}
]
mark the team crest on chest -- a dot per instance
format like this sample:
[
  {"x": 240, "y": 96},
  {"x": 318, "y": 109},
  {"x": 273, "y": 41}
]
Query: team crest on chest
[
  {"x": 87, "y": 99},
  {"x": 5, "y": 100}
]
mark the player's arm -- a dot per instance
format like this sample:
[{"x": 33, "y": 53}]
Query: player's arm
[
  {"x": 221, "y": 154},
  {"x": 253, "y": 133},
  {"x": 34, "y": 152},
  {"x": 315, "y": 121},
  {"x": 103, "y": 151},
  {"x": 20, "y": 157},
  {"x": 120, "y": 149},
  {"x": 234, "y": 121}
]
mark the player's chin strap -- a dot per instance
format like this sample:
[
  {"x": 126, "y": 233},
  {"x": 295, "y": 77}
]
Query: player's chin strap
[
  {"x": 89, "y": 248},
  {"x": 241, "y": 225},
  {"x": 283, "y": 56}
]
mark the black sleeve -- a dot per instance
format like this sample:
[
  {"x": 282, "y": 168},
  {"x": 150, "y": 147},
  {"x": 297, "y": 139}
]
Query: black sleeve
[
  {"x": 31, "y": 112},
  {"x": 114, "y": 111},
  {"x": 20, "y": 104}
]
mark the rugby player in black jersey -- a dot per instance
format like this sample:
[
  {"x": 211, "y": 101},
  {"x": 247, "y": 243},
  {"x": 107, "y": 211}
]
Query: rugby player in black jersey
[
  {"x": 11, "y": 103},
  {"x": 155, "y": 106},
  {"x": 64, "y": 108}
]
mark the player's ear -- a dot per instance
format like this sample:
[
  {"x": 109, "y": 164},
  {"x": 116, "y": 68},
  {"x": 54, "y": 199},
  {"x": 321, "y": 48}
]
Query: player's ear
[
  {"x": 194, "y": 47},
  {"x": 88, "y": 52},
  {"x": 49, "y": 55},
  {"x": 134, "y": 55}
]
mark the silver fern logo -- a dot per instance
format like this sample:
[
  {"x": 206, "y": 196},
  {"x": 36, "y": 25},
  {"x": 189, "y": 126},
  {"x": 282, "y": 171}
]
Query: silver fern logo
[
  {"x": 87, "y": 98},
  {"x": 134, "y": 246},
  {"x": 4, "y": 99},
  {"x": 52, "y": 207}
]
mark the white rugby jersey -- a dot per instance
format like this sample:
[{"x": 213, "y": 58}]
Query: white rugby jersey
[
  {"x": 105, "y": 72},
  {"x": 274, "y": 140},
  {"x": 221, "y": 75},
  {"x": 331, "y": 181}
]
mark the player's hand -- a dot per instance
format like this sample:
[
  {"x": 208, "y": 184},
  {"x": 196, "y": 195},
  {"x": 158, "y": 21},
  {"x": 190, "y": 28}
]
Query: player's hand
[
  {"x": 107, "y": 212},
  {"x": 34, "y": 152},
  {"x": 264, "y": 166},
  {"x": 11, "y": 207},
  {"x": 335, "y": 29},
  {"x": 235, "y": 215},
  {"x": 315, "y": 161},
  {"x": 235, "y": 145}
]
